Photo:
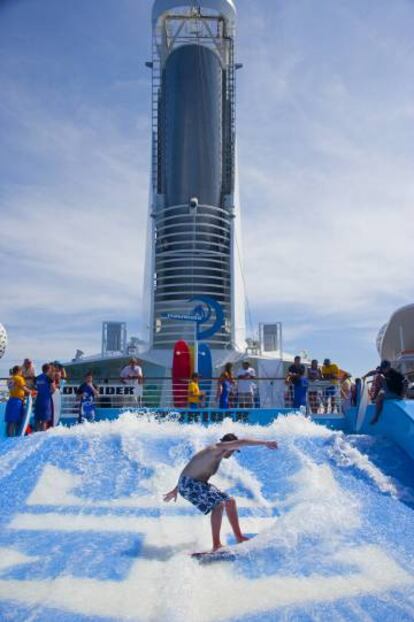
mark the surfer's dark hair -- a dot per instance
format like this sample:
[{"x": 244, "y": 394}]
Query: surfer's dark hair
[{"x": 228, "y": 437}]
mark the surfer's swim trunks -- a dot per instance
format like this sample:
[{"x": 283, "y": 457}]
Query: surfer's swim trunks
[{"x": 203, "y": 495}]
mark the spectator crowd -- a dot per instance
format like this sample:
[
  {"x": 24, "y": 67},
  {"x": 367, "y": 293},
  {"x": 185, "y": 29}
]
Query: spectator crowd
[
  {"x": 23, "y": 382},
  {"x": 325, "y": 386},
  {"x": 321, "y": 389}
]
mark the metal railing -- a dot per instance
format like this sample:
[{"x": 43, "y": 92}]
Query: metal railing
[
  {"x": 322, "y": 397},
  {"x": 161, "y": 393}
]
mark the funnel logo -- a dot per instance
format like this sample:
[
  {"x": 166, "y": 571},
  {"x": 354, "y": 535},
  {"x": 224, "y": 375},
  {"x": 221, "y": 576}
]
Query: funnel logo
[{"x": 208, "y": 310}]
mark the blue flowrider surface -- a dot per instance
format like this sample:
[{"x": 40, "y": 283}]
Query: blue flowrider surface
[{"x": 86, "y": 537}]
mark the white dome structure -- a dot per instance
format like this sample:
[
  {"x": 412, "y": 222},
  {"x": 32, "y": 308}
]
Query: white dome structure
[
  {"x": 396, "y": 338},
  {"x": 3, "y": 341}
]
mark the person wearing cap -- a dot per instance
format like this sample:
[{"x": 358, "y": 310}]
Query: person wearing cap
[
  {"x": 330, "y": 371},
  {"x": 392, "y": 386},
  {"x": 193, "y": 484}
]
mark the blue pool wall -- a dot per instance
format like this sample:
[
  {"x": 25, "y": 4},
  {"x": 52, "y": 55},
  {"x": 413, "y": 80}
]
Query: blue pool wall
[{"x": 396, "y": 422}]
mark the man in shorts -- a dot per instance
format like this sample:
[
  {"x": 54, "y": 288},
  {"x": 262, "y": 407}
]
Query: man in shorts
[
  {"x": 195, "y": 397},
  {"x": 193, "y": 484},
  {"x": 43, "y": 407}
]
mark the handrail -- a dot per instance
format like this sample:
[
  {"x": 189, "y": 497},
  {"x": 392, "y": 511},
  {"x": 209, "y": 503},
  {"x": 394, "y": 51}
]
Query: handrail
[
  {"x": 322, "y": 397},
  {"x": 103, "y": 379}
]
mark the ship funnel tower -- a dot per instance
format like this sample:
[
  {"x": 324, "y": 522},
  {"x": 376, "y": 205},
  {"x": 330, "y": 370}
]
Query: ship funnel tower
[{"x": 194, "y": 246}]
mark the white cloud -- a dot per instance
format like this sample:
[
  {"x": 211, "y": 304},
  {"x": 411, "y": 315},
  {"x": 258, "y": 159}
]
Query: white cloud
[{"x": 326, "y": 167}]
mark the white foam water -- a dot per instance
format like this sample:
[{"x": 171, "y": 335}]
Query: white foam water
[{"x": 101, "y": 485}]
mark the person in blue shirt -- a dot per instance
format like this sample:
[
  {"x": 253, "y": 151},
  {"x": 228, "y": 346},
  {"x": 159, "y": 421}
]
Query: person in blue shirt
[
  {"x": 296, "y": 378},
  {"x": 300, "y": 390},
  {"x": 225, "y": 386},
  {"x": 43, "y": 408},
  {"x": 87, "y": 392}
]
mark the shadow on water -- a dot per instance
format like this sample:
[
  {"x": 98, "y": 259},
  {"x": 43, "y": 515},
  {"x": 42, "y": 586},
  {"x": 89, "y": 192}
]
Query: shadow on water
[{"x": 156, "y": 553}]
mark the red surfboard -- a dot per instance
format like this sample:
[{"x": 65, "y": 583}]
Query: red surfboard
[{"x": 181, "y": 372}]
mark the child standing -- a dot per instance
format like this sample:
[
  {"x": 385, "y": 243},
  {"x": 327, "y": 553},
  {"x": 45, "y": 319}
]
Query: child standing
[
  {"x": 87, "y": 392},
  {"x": 194, "y": 395}
]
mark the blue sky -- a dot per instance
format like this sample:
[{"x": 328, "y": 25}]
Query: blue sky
[{"x": 325, "y": 118}]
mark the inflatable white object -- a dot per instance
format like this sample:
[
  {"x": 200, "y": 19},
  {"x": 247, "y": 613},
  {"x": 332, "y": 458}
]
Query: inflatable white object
[{"x": 3, "y": 340}]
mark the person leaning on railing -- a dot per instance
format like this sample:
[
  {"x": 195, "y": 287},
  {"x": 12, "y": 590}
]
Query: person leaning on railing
[
  {"x": 15, "y": 404},
  {"x": 330, "y": 371},
  {"x": 195, "y": 396},
  {"x": 132, "y": 374},
  {"x": 314, "y": 375},
  {"x": 296, "y": 377},
  {"x": 392, "y": 385}
]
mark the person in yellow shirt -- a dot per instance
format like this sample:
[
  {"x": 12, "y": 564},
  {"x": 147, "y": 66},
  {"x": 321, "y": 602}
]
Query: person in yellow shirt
[
  {"x": 330, "y": 371},
  {"x": 194, "y": 395},
  {"x": 15, "y": 404}
]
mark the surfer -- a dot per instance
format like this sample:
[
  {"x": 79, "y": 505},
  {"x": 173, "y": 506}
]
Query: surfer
[{"x": 193, "y": 484}]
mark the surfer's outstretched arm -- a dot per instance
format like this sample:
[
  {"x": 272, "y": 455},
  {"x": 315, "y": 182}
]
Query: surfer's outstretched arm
[
  {"x": 245, "y": 442},
  {"x": 172, "y": 495}
]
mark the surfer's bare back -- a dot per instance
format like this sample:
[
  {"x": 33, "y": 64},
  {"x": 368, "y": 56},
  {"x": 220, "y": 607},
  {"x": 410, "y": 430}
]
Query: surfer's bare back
[{"x": 193, "y": 484}]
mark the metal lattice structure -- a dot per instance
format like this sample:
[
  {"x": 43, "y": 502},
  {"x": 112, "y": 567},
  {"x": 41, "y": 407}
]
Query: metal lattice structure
[{"x": 193, "y": 165}]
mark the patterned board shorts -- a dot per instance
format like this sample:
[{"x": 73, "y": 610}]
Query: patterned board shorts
[{"x": 203, "y": 495}]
